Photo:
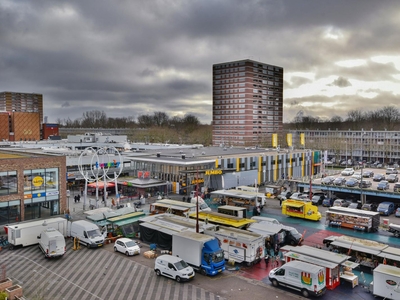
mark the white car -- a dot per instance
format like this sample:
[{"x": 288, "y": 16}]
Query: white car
[
  {"x": 296, "y": 196},
  {"x": 173, "y": 267},
  {"x": 127, "y": 246},
  {"x": 347, "y": 172}
]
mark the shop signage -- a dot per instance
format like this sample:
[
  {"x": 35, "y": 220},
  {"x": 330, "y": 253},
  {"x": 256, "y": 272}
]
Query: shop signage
[
  {"x": 196, "y": 181},
  {"x": 213, "y": 172},
  {"x": 37, "y": 181}
]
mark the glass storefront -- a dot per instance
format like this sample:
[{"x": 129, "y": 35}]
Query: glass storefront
[
  {"x": 8, "y": 183},
  {"x": 10, "y": 211},
  {"x": 41, "y": 189}
]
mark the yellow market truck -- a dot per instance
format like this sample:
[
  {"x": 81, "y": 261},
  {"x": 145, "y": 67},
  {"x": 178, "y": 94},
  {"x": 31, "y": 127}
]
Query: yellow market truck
[{"x": 301, "y": 209}]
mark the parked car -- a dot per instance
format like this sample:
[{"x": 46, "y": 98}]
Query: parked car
[
  {"x": 347, "y": 202},
  {"x": 328, "y": 202},
  {"x": 126, "y": 246},
  {"x": 391, "y": 171},
  {"x": 317, "y": 199},
  {"x": 338, "y": 202},
  {"x": 370, "y": 206},
  {"x": 296, "y": 196},
  {"x": 383, "y": 185},
  {"x": 339, "y": 181},
  {"x": 386, "y": 208},
  {"x": 365, "y": 183},
  {"x": 355, "y": 205},
  {"x": 378, "y": 177},
  {"x": 357, "y": 175},
  {"x": 397, "y": 213},
  {"x": 347, "y": 172},
  {"x": 392, "y": 178},
  {"x": 327, "y": 180},
  {"x": 282, "y": 196},
  {"x": 352, "y": 182},
  {"x": 368, "y": 173},
  {"x": 173, "y": 267},
  {"x": 396, "y": 187}
]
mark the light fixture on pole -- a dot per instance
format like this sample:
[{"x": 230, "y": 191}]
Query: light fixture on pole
[
  {"x": 310, "y": 162},
  {"x": 362, "y": 168}
]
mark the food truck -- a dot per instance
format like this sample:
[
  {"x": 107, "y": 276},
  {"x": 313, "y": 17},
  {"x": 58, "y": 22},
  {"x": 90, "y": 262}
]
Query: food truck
[
  {"x": 356, "y": 219},
  {"x": 334, "y": 263},
  {"x": 301, "y": 209}
]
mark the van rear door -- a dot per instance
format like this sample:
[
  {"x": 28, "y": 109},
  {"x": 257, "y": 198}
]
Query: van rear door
[{"x": 52, "y": 245}]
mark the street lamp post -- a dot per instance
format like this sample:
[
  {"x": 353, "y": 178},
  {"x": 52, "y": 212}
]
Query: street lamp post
[{"x": 362, "y": 168}]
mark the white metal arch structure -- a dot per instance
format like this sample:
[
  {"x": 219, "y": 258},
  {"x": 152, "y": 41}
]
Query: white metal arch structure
[{"x": 100, "y": 163}]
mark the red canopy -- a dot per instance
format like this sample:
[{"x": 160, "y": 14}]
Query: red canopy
[{"x": 101, "y": 184}]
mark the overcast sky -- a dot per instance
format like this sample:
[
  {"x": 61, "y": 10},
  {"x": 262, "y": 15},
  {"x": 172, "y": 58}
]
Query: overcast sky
[{"x": 135, "y": 57}]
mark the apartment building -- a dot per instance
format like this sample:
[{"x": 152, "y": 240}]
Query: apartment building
[
  {"x": 247, "y": 103},
  {"x": 21, "y": 116},
  {"x": 368, "y": 145}
]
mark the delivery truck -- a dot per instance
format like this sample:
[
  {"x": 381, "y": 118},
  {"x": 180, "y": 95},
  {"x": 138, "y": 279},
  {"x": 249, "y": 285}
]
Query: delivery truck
[
  {"x": 52, "y": 243},
  {"x": 26, "y": 233},
  {"x": 200, "y": 251},
  {"x": 306, "y": 278},
  {"x": 239, "y": 245},
  {"x": 386, "y": 282},
  {"x": 87, "y": 233}
]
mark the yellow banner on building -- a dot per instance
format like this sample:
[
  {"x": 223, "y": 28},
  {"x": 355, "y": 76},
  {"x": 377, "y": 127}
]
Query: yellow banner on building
[
  {"x": 275, "y": 140},
  {"x": 302, "y": 139},
  {"x": 289, "y": 139}
]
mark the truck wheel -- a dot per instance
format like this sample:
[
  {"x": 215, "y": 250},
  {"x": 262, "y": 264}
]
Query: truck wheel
[
  {"x": 397, "y": 234},
  {"x": 178, "y": 279},
  {"x": 115, "y": 249},
  {"x": 203, "y": 272},
  {"x": 305, "y": 293},
  {"x": 158, "y": 273},
  {"x": 275, "y": 282},
  {"x": 293, "y": 243}
]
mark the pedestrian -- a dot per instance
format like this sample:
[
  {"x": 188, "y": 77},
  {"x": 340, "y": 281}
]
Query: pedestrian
[
  {"x": 75, "y": 198},
  {"x": 78, "y": 198},
  {"x": 81, "y": 191},
  {"x": 272, "y": 260}
]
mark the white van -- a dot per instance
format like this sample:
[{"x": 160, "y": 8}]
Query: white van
[
  {"x": 52, "y": 243},
  {"x": 307, "y": 278},
  {"x": 88, "y": 233},
  {"x": 173, "y": 267}
]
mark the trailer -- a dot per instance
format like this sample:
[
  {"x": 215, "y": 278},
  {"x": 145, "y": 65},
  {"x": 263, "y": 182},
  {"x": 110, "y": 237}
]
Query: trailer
[
  {"x": 239, "y": 245},
  {"x": 386, "y": 282},
  {"x": 26, "y": 233}
]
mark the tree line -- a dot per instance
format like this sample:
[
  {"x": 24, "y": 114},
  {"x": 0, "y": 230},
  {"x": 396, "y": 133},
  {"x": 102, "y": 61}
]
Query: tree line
[
  {"x": 387, "y": 118},
  {"x": 152, "y": 128},
  {"x": 161, "y": 128}
]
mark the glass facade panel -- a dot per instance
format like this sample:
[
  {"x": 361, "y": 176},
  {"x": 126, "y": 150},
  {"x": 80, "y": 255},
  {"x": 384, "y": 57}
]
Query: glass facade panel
[
  {"x": 8, "y": 183},
  {"x": 10, "y": 212}
]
